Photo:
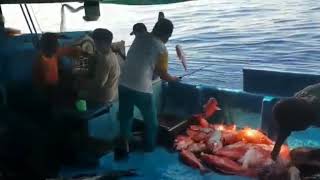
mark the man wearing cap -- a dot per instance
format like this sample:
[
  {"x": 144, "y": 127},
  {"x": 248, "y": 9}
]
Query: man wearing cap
[
  {"x": 147, "y": 55},
  {"x": 102, "y": 87}
]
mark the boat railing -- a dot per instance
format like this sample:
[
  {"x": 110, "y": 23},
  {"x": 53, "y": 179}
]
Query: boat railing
[{"x": 276, "y": 83}]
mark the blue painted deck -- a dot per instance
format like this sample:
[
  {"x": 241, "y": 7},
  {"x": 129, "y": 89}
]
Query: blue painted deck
[
  {"x": 164, "y": 165},
  {"x": 159, "y": 164}
]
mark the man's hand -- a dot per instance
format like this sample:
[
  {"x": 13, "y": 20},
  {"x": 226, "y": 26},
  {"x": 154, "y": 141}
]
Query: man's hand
[
  {"x": 116, "y": 47},
  {"x": 283, "y": 134},
  {"x": 118, "y": 51},
  {"x": 164, "y": 75}
]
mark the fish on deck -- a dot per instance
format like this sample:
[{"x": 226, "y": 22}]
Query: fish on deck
[
  {"x": 182, "y": 142},
  {"x": 226, "y": 165},
  {"x": 190, "y": 159},
  {"x": 233, "y": 151},
  {"x": 214, "y": 142},
  {"x": 209, "y": 109},
  {"x": 254, "y": 136},
  {"x": 256, "y": 157}
]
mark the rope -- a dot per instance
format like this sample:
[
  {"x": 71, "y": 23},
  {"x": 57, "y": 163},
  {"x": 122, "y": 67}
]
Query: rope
[
  {"x": 34, "y": 15},
  {"x": 71, "y": 9},
  {"x": 25, "y": 17},
  {"x": 36, "y": 39},
  {"x": 34, "y": 28}
]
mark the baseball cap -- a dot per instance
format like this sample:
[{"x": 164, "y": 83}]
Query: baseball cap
[{"x": 138, "y": 27}]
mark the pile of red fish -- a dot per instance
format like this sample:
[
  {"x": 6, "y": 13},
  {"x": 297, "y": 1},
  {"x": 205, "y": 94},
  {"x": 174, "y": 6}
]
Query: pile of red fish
[{"x": 224, "y": 148}]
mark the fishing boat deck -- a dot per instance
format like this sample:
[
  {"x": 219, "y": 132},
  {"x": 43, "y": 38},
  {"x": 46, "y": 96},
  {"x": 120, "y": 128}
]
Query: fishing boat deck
[
  {"x": 241, "y": 108},
  {"x": 159, "y": 164},
  {"x": 250, "y": 106},
  {"x": 162, "y": 164}
]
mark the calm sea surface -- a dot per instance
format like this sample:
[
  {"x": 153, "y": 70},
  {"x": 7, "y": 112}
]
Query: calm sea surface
[{"x": 227, "y": 35}]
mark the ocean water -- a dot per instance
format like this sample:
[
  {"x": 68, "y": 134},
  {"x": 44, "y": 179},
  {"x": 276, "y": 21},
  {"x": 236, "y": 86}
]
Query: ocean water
[{"x": 223, "y": 36}]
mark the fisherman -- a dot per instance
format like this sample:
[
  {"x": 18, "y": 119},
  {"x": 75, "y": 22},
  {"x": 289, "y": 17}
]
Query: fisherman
[
  {"x": 147, "y": 54},
  {"x": 46, "y": 67},
  {"x": 296, "y": 114},
  {"x": 140, "y": 28},
  {"x": 47, "y": 79},
  {"x": 102, "y": 87}
]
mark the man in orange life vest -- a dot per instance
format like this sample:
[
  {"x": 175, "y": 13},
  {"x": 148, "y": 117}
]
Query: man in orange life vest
[{"x": 46, "y": 70}]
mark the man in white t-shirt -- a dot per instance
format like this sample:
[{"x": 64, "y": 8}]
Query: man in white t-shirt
[{"x": 146, "y": 56}]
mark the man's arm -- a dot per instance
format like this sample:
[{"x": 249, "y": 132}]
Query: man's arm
[
  {"x": 102, "y": 71},
  {"x": 116, "y": 48},
  {"x": 117, "y": 51},
  {"x": 100, "y": 74},
  {"x": 162, "y": 68}
]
